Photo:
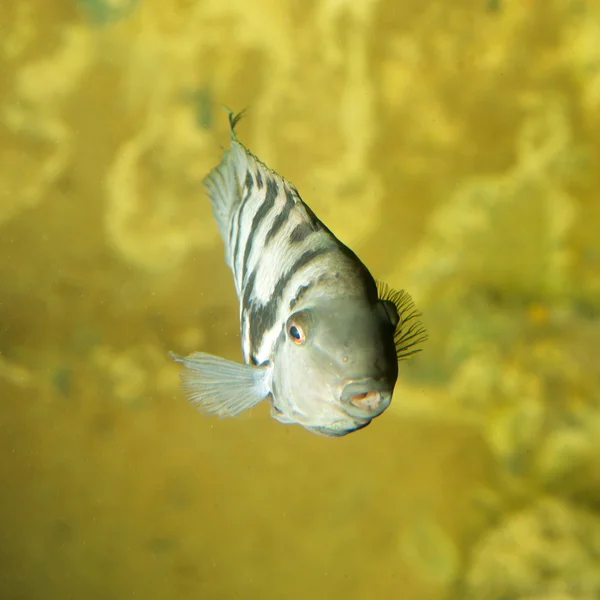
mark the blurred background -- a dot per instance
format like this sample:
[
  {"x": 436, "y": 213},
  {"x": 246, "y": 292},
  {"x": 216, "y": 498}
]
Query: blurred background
[{"x": 454, "y": 146}]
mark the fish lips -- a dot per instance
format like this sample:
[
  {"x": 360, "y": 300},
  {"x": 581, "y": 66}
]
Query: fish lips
[
  {"x": 336, "y": 431},
  {"x": 366, "y": 398}
]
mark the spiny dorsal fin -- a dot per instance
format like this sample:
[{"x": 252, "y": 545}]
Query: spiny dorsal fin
[
  {"x": 234, "y": 119},
  {"x": 253, "y": 162},
  {"x": 410, "y": 332}
]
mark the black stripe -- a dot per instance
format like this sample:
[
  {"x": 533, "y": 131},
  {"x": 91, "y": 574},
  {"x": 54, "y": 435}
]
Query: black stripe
[
  {"x": 248, "y": 183},
  {"x": 317, "y": 224},
  {"x": 261, "y": 213},
  {"x": 282, "y": 217},
  {"x": 300, "y": 292},
  {"x": 301, "y": 232},
  {"x": 262, "y": 317},
  {"x": 259, "y": 180},
  {"x": 306, "y": 258},
  {"x": 247, "y": 292},
  {"x": 290, "y": 197}
]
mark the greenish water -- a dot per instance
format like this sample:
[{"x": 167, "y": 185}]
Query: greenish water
[{"x": 454, "y": 148}]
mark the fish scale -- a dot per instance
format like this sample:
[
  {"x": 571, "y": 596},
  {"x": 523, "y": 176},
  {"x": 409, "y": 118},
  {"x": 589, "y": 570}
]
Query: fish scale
[{"x": 320, "y": 339}]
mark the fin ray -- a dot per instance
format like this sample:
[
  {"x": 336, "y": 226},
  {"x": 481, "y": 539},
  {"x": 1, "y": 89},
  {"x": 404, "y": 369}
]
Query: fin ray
[
  {"x": 224, "y": 192},
  {"x": 219, "y": 386},
  {"x": 410, "y": 332},
  {"x": 224, "y": 182}
]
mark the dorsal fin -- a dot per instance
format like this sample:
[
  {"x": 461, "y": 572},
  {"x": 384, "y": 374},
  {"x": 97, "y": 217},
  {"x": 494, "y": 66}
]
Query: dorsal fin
[{"x": 234, "y": 119}]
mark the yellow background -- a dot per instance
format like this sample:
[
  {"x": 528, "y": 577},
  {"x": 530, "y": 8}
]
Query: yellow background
[{"x": 455, "y": 146}]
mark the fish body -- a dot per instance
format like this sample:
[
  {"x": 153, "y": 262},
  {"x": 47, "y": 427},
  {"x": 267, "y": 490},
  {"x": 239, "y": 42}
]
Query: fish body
[{"x": 321, "y": 339}]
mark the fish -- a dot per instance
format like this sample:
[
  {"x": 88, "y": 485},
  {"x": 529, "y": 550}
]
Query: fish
[{"x": 321, "y": 338}]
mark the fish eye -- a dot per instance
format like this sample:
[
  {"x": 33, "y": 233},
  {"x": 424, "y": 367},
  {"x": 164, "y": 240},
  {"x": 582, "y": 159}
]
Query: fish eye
[
  {"x": 296, "y": 333},
  {"x": 297, "y": 326}
]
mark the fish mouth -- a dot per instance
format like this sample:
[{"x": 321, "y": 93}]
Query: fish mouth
[
  {"x": 329, "y": 431},
  {"x": 366, "y": 398}
]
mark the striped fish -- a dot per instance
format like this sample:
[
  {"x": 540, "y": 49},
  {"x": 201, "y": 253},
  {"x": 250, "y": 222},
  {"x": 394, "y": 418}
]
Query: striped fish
[{"x": 321, "y": 339}]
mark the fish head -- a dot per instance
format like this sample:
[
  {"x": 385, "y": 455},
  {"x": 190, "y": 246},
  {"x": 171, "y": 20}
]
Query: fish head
[{"x": 336, "y": 365}]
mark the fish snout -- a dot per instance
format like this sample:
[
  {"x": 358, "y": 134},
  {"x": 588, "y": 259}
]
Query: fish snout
[{"x": 366, "y": 397}]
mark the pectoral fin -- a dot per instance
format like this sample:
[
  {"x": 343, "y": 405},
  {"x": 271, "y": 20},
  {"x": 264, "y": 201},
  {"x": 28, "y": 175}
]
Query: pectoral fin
[{"x": 219, "y": 386}]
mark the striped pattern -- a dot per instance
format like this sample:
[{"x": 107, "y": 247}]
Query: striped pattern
[
  {"x": 280, "y": 246},
  {"x": 275, "y": 245}
]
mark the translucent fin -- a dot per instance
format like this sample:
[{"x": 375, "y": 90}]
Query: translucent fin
[
  {"x": 224, "y": 182},
  {"x": 219, "y": 386},
  {"x": 224, "y": 192},
  {"x": 410, "y": 332}
]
